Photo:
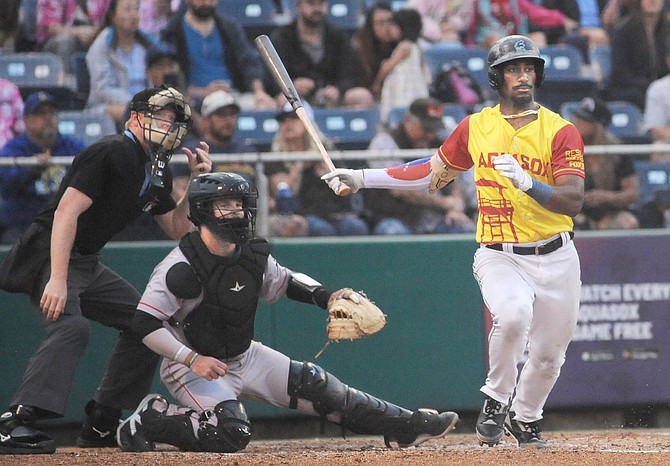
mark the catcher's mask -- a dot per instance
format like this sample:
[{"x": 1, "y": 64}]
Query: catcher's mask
[
  {"x": 206, "y": 189},
  {"x": 513, "y": 48},
  {"x": 149, "y": 102}
]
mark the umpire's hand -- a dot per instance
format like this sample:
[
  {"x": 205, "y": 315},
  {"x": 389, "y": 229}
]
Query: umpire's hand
[{"x": 199, "y": 162}]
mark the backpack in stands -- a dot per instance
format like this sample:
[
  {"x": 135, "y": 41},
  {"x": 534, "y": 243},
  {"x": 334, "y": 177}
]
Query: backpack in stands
[{"x": 454, "y": 84}]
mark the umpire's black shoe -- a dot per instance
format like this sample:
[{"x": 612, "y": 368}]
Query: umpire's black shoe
[
  {"x": 99, "y": 427},
  {"x": 18, "y": 437},
  {"x": 425, "y": 424},
  {"x": 491, "y": 422},
  {"x": 527, "y": 434}
]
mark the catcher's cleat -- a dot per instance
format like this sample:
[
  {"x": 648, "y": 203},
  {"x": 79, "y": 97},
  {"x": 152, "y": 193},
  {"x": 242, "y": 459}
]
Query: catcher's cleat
[
  {"x": 527, "y": 434},
  {"x": 129, "y": 435},
  {"x": 425, "y": 424},
  {"x": 99, "y": 427},
  {"x": 491, "y": 422},
  {"x": 18, "y": 437}
]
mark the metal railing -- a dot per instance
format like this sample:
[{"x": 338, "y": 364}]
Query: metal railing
[{"x": 259, "y": 159}]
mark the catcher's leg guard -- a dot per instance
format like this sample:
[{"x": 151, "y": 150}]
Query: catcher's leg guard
[
  {"x": 150, "y": 424},
  {"x": 226, "y": 429},
  {"x": 363, "y": 413}
]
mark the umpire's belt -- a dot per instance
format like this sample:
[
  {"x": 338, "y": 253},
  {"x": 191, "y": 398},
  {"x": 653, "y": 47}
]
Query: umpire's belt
[{"x": 538, "y": 250}]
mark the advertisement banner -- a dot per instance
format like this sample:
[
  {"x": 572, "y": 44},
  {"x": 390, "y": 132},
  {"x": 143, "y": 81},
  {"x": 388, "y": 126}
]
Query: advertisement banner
[{"x": 620, "y": 353}]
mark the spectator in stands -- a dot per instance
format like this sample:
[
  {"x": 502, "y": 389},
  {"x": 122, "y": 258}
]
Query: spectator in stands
[
  {"x": 162, "y": 65},
  {"x": 319, "y": 58},
  {"x": 220, "y": 112},
  {"x": 68, "y": 26},
  {"x": 614, "y": 12},
  {"x": 325, "y": 215},
  {"x": 638, "y": 52},
  {"x": 116, "y": 60},
  {"x": 590, "y": 31},
  {"x": 375, "y": 46},
  {"x": 444, "y": 22},
  {"x": 26, "y": 189},
  {"x": 155, "y": 15},
  {"x": 216, "y": 55},
  {"x": 410, "y": 78},
  {"x": 657, "y": 109},
  {"x": 397, "y": 212},
  {"x": 11, "y": 111},
  {"x": 493, "y": 20},
  {"x": 611, "y": 184},
  {"x": 10, "y": 25}
]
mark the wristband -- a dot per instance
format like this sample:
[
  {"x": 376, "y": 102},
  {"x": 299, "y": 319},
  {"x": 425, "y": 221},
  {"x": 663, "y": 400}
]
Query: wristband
[
  {"x": 541, "y": 192},
  {"x": 190, "y": 363}
]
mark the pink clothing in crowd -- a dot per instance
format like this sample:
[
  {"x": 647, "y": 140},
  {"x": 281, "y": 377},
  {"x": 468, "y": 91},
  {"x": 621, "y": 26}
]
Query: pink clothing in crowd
[
  {"x": 62, "y": 12},
  {"x": 11, "y": 111}
]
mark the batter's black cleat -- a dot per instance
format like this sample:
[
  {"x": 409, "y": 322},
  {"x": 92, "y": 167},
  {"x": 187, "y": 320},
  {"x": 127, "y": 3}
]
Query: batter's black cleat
[
  {"x": 18, "y": 437},
  {"x": 99, "y": 427},
  {"x": 491, "y": 422},
  {"x": 425, "y": 424},
  {"x": 130, "y": 435},
  {"x": 527, "y": 434}
]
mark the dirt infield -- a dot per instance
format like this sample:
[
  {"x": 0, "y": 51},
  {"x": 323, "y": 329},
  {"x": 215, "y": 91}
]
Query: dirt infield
[{"x": 611, "y": 447}]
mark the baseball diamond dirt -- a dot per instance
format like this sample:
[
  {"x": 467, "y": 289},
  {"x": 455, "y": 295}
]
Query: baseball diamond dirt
[
  {"x": 612, "y": 447},
  {"x": 585, "y": 437}
]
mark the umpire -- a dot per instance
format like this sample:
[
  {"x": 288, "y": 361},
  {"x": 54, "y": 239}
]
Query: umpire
[{"x": 109, "y": 185}]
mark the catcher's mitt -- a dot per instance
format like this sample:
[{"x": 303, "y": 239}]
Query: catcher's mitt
[{"x": 351, "y": 315}]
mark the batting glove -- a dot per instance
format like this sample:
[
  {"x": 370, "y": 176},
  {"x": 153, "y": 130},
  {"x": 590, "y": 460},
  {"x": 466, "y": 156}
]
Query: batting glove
[
  {"x": 510, "y": 168},
  {"x": 344, "y": 177}
]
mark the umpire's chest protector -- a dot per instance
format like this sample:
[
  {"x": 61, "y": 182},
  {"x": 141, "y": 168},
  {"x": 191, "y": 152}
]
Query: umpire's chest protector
[{"x": 222, "y": 325}]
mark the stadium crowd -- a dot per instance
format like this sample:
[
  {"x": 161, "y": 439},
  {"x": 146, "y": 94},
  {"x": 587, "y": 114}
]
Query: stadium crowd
[{"x": 379, "y": 61}]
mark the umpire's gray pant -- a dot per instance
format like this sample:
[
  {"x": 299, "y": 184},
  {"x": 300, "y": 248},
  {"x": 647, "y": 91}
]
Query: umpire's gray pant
[{"x": 94, "y": 292}]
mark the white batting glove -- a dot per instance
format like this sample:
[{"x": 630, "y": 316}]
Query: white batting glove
[
  {"x": 510, "y": 168},
  {"x": 344, "y": 176}
]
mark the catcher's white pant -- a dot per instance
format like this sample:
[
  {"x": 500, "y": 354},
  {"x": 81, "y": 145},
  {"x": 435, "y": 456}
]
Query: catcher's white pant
[
  {"x": 259, "y": 374},
  {"x": 534, "y": 301}
]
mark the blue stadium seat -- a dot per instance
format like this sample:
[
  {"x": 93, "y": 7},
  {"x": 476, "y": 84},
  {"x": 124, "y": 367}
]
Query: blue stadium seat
[
  {"x": 257, "y": 128},
  {"x": 348, "y": 128},
  {"x": 453, "y": 114},
  {"x": 37, "y": 71},
  {"x": 255, "y": 16},
  {"x": 471, "y": 58},
  {"x": 564, "y": 78},
  {"x": 601, "y": 62},
  {"x": 653, "y": 177},
  {"x": 82, "y": 77},
  {"x": 627, "y": 120},
  {"x": 85, "y": 125}
]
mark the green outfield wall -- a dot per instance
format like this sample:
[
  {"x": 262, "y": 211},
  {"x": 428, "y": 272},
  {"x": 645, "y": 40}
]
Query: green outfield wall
[{"x": 431, "y": 352}]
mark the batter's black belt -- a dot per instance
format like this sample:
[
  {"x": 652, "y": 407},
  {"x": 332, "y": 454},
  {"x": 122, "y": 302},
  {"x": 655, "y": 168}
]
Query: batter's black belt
[{"x": 551, "y": 246}]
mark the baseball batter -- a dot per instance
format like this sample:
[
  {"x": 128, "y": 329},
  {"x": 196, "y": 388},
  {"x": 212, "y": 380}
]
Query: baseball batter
[
  {"x": 198, "y": 312},
  {"x": 529, "y": 172}
]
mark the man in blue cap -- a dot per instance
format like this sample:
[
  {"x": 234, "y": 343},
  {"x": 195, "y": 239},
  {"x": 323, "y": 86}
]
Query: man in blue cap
[{"x": 26, "y": 189}]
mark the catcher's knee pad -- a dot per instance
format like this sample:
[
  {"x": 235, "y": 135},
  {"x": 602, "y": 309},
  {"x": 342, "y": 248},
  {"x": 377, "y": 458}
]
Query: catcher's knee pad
[
  {"x": 225, "y": 429},
  {"x": 311, "y": 382}
]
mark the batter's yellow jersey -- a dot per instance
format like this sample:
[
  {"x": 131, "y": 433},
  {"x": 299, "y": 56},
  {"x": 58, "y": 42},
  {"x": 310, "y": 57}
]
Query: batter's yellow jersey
[{"x": 547, "y": 148}]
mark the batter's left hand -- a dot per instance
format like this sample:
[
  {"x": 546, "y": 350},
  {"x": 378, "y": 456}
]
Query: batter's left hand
[
  {"x": 508, "y": 167},
  {"x": 199, "y": 162}
]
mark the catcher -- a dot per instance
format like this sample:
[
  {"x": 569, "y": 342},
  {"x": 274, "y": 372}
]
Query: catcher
[{"x": 198, "y": 313}]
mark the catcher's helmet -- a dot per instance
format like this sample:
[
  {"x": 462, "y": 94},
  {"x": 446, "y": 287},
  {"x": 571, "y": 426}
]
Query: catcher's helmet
[
  {"x": 211, "y": 187},
  {"x": 151, "y": 100},
  {"x": 513, "y": 48}
]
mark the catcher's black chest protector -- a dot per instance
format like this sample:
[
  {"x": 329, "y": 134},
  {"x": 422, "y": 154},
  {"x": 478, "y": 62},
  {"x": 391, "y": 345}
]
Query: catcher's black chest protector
[{"x": 222, "y": 325}]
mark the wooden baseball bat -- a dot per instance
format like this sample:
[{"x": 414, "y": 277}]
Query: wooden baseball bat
[{"x": 280, "y": 75}]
